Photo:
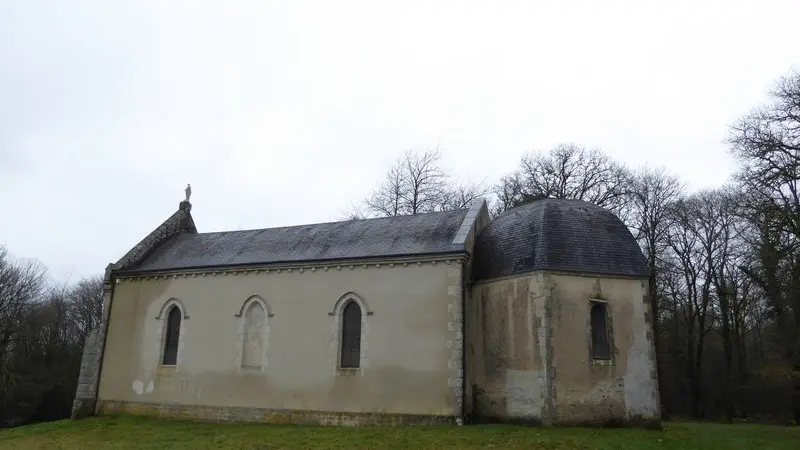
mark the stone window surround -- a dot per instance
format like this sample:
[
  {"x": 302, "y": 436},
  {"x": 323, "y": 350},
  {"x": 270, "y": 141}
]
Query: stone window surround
[
  {"x": 336, "y": 335},
  {"x": 163, "y": 316},
  {"x": 240, "y": 333},
  {"x": 610, "y": 361}
]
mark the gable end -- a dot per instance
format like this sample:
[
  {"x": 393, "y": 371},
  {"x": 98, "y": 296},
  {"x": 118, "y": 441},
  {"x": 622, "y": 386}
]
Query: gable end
[{"x": 179, "y": 223}]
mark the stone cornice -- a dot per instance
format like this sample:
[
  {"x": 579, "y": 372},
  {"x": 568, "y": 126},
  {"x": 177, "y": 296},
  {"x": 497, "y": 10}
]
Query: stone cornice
[
  {"x": 557, "y": 273},
  {"x": 305, "y": 267}
]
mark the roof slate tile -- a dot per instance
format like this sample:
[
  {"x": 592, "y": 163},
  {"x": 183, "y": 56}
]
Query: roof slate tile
[
  {"x": 557, "y": 234},
  {"x": 384, "y": 237}
]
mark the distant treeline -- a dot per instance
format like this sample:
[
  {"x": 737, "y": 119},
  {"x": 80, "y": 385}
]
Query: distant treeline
[{"x": 42, "y": 329}]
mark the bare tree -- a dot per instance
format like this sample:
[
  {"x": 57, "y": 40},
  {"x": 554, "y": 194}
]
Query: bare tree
[
  {"x": 726, "y": 250},
  {"x": 652, "y": 194},
  {"x": 85, "y": 305},
  {"x": 356, "y": 212},
  {"x": 426, "y": 182},
  {"x": 567, "y": 171},
  {"x": 389, "y": 198},
  {"x": 699, "y": 241},
  {"x": 21, "y": 284},
  {"x": 766, "y": 142},
  {"x": 508, "y": 193},
  {"x": 417, "y": 183},
  {"x": 462, "y": 195},
  {"x": 686, "y": 262}
]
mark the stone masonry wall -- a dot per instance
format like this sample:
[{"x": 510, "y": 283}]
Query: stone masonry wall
[
  {"x": 84, "y": 403},
  {"x": 264, "y": 415},
  {"x": 455, "y": 343}
]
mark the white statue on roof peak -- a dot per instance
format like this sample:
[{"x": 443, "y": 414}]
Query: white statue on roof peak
[{"x": 188, "y": 191}]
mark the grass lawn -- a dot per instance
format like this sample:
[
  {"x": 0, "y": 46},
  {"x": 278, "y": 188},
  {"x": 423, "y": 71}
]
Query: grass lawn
[{"x": 150, "y": 433}]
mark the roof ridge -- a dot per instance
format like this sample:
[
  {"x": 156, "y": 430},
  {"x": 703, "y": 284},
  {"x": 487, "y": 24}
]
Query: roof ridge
[
  {"x": 550, "y": 200},
  {"x": 369, "y": 219}
]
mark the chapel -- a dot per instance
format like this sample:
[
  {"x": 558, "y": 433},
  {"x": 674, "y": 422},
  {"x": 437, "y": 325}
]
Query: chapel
[{"x": 539, "y": 315}]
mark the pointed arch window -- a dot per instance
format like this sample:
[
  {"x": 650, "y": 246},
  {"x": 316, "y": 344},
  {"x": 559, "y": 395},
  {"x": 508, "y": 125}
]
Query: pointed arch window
[
  {"x": 601, "y": 346},
  {"x": 351, "y": 336},
  {"x": 172, "y": 336},
  {"x": 253, "y": 339}
]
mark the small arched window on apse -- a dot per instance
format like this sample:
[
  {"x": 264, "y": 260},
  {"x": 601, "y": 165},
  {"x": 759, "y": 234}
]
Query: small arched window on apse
[
  {"x": 351, "y": 336},
  {"x": 253, "y": 340},
  {"x": 601, "y": 345},
  {"x": 172, "y": 336}
]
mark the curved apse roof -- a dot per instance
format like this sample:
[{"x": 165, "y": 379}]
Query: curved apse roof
[{"x": 557, "y": 234}]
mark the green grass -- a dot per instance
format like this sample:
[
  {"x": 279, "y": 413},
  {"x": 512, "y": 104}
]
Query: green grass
[{"x": 150, "y": 433}]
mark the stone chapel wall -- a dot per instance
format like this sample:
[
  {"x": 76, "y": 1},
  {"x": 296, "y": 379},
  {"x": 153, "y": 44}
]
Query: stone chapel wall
[
  {"x": 623, "y": 389},
  {"x": 529, "y": 349},
  {"x": 85, "y": 396},
  {"x": 507, "y": 349},
  {"x": 410, "y": 366}
]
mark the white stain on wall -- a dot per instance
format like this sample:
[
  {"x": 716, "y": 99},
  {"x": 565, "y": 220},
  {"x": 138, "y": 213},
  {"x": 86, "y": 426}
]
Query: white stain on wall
[
  {"x": 525, "y": 393},
  {"x": 640, "y": 388}
]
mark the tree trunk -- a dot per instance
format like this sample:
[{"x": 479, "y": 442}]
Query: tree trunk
[
  {"x": 742, "y": 379},
  {"x": 691, "y": 374},
  {"x": 727, "y": 392},
  {"x": 655, "y": 315},
  {"x": 796, "y": 394}
]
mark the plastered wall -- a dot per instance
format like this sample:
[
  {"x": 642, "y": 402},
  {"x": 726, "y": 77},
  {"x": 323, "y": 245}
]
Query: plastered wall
[
  {"x": 411, "y": 340},
  {"x": 624, "y": 389},
  {"x": 528, "y": 358},
  {"x": 507, "y": 350}
]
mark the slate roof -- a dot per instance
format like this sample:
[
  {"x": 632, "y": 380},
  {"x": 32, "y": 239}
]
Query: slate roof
[
  {"x": 431, "y": 233},
  {"x": 556, "y": 234}
]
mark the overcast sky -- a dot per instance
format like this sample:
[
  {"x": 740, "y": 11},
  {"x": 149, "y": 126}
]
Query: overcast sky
[{"x": 282, "y": 113}]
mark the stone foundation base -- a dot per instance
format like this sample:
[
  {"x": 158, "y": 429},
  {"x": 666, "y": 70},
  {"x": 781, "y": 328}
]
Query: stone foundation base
[
  {"x": 263, "y": 415},
  {"x": 652, "y": 423},
  {"x": 82, "y": 407}
]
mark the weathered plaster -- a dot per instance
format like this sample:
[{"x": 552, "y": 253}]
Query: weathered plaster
[
  {"x": 411, "y": 367},
  {"x": 531, "y": 356},
  {"x": 509, "y": 349},
  {"x": 617, "y": 391},
  {"x": 641, "y": 379},
  {"x": 242, "y": 333},
  {"x": 212, "y": 413}
]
